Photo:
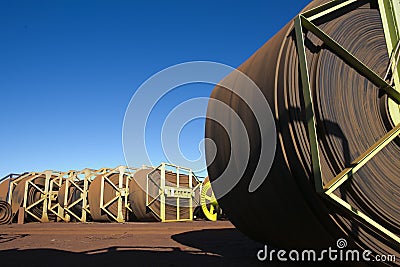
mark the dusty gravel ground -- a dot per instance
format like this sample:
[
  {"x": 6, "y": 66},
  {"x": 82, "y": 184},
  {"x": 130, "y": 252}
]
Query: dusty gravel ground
[
  {"x": 131, "y": 244},
  {"x": 198, "y": 243}
]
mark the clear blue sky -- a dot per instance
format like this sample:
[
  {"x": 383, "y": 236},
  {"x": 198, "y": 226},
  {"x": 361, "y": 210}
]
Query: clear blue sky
[{"x": 69, "y": 68}]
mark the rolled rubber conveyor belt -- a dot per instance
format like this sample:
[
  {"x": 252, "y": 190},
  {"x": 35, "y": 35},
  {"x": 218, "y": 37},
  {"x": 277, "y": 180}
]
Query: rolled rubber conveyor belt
[
  {"x": 33, "y": 196},
  {"x": 138, "y": 194},
  {"x": 285, "y": 211},
  {"x": 4, "y": 187},
  {"x": 73, "y": 195},
  {"x": 109, "y": 192},
  {"x": 5, "y": 212}
]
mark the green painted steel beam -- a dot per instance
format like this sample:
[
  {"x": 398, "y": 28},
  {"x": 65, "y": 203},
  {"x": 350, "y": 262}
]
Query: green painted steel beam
[
  {"x": 362, "y": 160},
  {"x": 351, "y": 60},
  {"x": 322, "y": 8},
  {"x": 326, "y": 9},
  {"x": 312, "y": 129},
  {"x": 338, "y": 201},
  {"x": 390, "y": 15}
]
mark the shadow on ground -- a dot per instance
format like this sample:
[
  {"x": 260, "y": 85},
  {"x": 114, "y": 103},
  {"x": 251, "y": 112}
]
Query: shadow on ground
[
  {"x": 234, "y": 248},
  {"x": 220, "y": 247},
  {"x": 8, "y": 238}
]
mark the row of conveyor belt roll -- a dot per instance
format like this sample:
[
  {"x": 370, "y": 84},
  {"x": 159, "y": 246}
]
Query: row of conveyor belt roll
[{"x": 165, "y": 193}]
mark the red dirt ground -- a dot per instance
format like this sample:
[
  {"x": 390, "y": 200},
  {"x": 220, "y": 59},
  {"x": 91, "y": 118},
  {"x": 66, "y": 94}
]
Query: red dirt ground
[
  {"x": 198, "y": 243},
  {"x": 132, "y": 244}
]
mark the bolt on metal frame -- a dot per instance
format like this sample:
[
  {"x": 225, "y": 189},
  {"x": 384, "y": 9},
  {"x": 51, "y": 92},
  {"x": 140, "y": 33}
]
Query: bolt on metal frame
[
  {"x": 176, "y": 191},
  {"x": 390, "y": 13}
]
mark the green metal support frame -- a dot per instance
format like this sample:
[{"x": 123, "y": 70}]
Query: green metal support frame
[
  {"x": 179, "y": 191},
  {"x": 121, "y": 187},
  {"x": 390, "y": 14},
  {"x": 391, "y": 25}
]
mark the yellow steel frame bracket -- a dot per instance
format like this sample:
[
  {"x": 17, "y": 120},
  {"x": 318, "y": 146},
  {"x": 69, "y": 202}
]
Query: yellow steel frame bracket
[
  {"x": 176, "y": 191},
  {"x": 390, "y": 13}
]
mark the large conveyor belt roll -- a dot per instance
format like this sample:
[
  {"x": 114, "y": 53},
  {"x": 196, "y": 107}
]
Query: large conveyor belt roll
[
  {"x": 108, "y": 198},
  {"x": 351, "y": 115},
  {"x": 31, "y": 192},
  {"x": 74, "y": 197},
  {"x": 137, "y": 196},
  {"x": 5, "y": 185},
  {"x": 95, "y": 191},
  {"x": 150, "y": 210}
]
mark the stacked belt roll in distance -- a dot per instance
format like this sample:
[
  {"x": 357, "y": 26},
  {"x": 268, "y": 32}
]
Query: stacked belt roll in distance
[
  {"x": 109, "y": 192},
  {"x": 5, "y": 212},
  {"x": 5, "y": 207},
  {"x": 138, "y": 195},
  {"x": 4, "y": 187},
  {"x": 351, "y": 115},
  {"x": 33, "y": 196},
  {"x": 73, "y": 195}
]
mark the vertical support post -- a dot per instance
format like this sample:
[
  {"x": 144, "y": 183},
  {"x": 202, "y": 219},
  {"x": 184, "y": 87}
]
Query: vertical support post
[
  {"x": 60, "y": 209},
  {"x": 87, "y": 174},
  {"x": 66, "y": 194},
  {"x": 390, "y": 15},
  {"x": 147, "y": 188},
  {"x": 311, "y": 125},
  {"x": 178, "y": 216},
  {"x": 191, "y": 199},
  {"x": 45, "y": 217},
  {"x": 26, "y": 186},
  {"x": 8, "y": 199},
  {"x": 21, "y": 215},
  {"x": 162, "y": 195},
  {"x": 121, "y": 171},
  {"x": 102, "y": 181}
]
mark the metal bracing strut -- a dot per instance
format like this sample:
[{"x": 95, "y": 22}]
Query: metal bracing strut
[{"x": 390, "y": 13}]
